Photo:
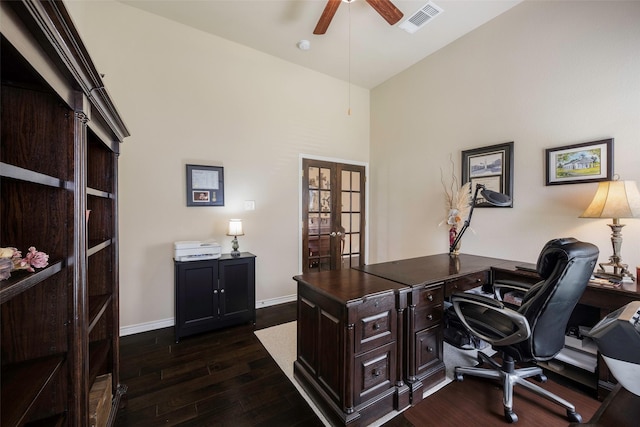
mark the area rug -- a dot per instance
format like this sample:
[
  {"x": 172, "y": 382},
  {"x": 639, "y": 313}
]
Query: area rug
[{"x": 280, "y": 342}]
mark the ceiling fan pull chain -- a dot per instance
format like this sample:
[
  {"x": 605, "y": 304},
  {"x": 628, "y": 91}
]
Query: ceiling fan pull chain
[{"x": 349, "y": 60}]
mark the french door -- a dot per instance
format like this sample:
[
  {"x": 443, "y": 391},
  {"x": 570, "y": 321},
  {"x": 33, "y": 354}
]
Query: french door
[{"x": 333, "y": 216}]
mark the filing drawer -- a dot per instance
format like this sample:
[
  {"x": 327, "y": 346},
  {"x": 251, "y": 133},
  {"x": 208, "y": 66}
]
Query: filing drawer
[
  {"x": 374, "y": 372},
  {"x": 427, "y": 316},
  {"x": 428, "y": 344},
  {"x": 376, "y": 323},
  {"x": 467, "y": 282}
]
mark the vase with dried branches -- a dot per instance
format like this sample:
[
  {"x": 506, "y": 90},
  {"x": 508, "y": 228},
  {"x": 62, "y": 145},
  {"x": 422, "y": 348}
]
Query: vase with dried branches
[{"x": 457, "y": 204}]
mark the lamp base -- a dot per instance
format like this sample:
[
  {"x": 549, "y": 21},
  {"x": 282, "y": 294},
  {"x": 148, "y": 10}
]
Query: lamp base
[
  {"x": 615, "y": 260},
  {"x": 619, "y": 269},
  {"x": 234, "y": 253}
]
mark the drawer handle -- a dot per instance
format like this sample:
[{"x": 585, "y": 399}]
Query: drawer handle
[
  {"x": 429, "y": 316},
  {"x": 376, "y": 372},
  {"x": 430, "y": 297},
  {"x": 376, "y": 326},
  {"x": 377, "y": 303}
]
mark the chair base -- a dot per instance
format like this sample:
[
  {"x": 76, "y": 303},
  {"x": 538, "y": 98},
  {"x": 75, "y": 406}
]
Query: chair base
[{"x": 509, "y": 376}]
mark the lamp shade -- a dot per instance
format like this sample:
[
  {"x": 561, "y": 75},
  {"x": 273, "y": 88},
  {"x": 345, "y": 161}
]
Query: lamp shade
[
  {"x": 235, "y": 228},
  {"x": 614, "y": 199}
]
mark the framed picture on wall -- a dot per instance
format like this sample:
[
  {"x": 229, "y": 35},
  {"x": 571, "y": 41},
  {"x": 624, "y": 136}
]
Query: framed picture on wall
[
  {"x": 579, "y": 163},
  {"x": 491, "y": 166},
  {"x": 205, "y": 185}
]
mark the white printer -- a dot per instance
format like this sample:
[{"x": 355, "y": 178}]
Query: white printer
[{"x": 197, "y": 250}]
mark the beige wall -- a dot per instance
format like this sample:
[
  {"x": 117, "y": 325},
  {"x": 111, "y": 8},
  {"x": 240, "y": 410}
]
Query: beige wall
[
  {"x": 189, "y": 97},
  {"x": 543, "y": 74}
]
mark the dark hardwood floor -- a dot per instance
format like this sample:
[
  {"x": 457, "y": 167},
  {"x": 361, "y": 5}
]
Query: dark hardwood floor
[{"x": 227, "y": 378}]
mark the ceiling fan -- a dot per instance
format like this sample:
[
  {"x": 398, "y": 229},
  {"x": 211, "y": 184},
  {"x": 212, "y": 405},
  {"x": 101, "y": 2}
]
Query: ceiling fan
[{"x": 385, "y": 8}]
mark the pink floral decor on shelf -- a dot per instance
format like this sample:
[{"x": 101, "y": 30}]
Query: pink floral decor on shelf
[{"x": 11, "y": 259}]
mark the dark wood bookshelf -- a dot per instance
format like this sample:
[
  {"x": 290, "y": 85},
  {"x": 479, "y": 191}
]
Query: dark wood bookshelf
[{"x": 61, "y": 136}]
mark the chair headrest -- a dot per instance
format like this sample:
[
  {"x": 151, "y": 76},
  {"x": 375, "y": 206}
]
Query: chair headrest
[{"x": 565, "y": 248}]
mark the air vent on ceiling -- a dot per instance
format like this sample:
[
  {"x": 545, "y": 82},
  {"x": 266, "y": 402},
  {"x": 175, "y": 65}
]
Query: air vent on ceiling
[{"x": 421, "y": 17}]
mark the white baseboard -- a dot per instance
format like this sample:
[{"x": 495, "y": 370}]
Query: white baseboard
[
  {"x": 147, "y": 326},
  {"x": 166, "y": 323},
  {"x": 276, "y": 301}
]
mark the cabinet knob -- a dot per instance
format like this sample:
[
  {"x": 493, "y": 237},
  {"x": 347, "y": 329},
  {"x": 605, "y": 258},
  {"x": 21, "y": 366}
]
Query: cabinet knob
[
  {"x": 376, "y": 326},
  {"x": 430, "y": 297},
  {"x": 429, "y": 349},
  {"x": 215, "y": 291},
  {"x": 429, "y": 316},
  {"x": 376, "y": 372},
  {"x": 222, "y": 291}
]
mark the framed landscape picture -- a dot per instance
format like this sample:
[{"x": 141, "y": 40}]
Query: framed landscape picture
[
  {"x": 579, "y": 163},
  {"x": 491, "y": 166}
]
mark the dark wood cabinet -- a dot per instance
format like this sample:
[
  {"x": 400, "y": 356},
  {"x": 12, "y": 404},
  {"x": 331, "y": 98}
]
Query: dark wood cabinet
[
  {"x": 213, "y": 294},
  {"x": 58, "y": 161}
]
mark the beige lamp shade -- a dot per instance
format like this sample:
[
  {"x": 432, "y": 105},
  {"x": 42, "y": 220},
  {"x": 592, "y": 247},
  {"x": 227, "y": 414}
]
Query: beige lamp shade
[
  {"x": 235, "y": 228},
  {"x": 614, "y": 199}
]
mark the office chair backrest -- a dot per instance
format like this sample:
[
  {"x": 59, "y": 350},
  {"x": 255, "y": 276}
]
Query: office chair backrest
[{"x": 565, "y": 266}]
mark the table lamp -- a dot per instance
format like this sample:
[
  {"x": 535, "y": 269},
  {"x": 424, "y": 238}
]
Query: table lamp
[
  {"x": 492, "y": 197},
  {"x": 235, "y": 230},
  {"x": 615, "y": 199}
]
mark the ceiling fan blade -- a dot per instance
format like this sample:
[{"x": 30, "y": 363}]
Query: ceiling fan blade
[
  {"x": 387, "y": 10},
  {"x": 327, "y": 16}
]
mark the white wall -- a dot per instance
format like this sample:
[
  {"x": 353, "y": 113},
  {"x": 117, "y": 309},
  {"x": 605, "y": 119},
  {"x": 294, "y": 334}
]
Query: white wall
[
  {"x": 543, "y": 74},
  {"x": 191, "y": 98}
]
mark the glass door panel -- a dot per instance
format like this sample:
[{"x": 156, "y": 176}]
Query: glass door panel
[{"x": 332, "y": 215}]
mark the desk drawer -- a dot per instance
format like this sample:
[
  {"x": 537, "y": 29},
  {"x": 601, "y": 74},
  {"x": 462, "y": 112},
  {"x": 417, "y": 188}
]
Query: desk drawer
[
  {"x": 467, "y": 282},
  {"x": 428, "y": 296},
  {"x": 376, "y": 323},
  {"x": 427, "y": 316},
  {"x": 428, "y": 347},
  {"x": 375, "y": 372}
]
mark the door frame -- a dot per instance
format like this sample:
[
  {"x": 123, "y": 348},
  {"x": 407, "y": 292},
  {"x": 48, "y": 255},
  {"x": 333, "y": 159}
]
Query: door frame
[{"x": 366, "y": 200}]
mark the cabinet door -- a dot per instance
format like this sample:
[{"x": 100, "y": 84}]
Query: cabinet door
[
  {"x": 237, "y": 288},
  {"x": 196, "y": 297}
]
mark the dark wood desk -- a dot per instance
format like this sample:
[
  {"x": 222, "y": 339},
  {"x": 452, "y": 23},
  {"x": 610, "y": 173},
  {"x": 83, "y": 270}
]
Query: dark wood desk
[{"x": 371, "y": 340}]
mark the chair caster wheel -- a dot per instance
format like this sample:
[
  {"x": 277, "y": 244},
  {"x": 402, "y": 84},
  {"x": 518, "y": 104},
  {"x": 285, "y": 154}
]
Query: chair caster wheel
[
  {"x": 510, "y": 417},
  {"x": 480, "y": 360},
  {"x": 458, "y": 377},
  {"x": 574, "y": 417},
  {"x": 541, "y": 378}
]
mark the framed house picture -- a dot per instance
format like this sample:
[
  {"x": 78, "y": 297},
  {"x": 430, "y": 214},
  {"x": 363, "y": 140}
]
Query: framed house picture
[
  {"x": 205, "y": 185},
  {"x": 491, "y": 166},
  {"x": 579, "y": 163}
]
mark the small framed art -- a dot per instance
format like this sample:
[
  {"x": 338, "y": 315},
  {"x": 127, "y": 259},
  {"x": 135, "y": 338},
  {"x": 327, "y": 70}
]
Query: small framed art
[
  {"x": 491, "y": 166},
  {"x": 205, "y": 185},
  {"x": 578, "y": 163}
]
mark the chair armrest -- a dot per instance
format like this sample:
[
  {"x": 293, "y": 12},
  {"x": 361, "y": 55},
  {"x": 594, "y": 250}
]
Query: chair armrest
[
  {"x": 511, "y": 285},
  {"x": 517, "y": 320}
]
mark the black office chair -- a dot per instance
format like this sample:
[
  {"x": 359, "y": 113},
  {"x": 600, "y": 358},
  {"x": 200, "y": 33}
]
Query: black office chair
[{"x": 535, "y": 331}]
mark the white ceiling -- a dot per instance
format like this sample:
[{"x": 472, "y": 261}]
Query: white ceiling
[{"x": 359, "y": 46}]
